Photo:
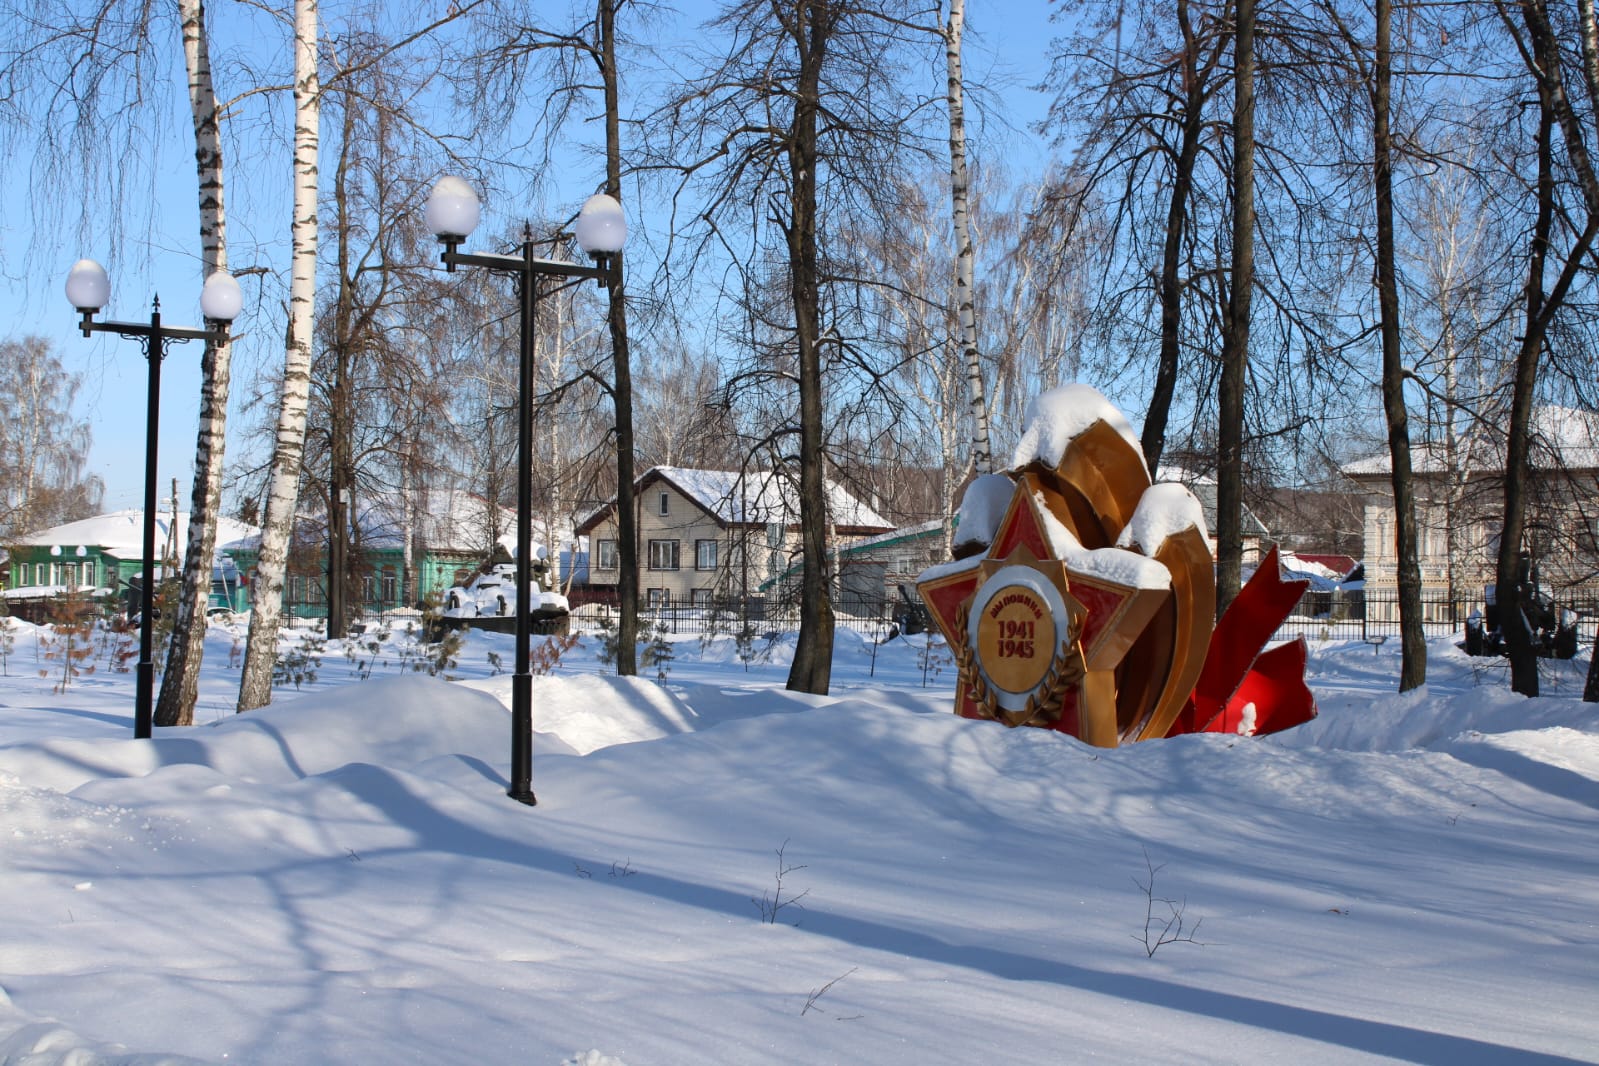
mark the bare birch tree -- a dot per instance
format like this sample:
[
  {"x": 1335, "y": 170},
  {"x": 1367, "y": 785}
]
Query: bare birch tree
[
  {"x": 965, "y": 251},
  {"x": 180, "y": 682},
  {"x": 266, "y": 595}
]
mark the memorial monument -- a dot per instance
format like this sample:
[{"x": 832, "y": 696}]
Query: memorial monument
[{"x": 1082, "y": 597}]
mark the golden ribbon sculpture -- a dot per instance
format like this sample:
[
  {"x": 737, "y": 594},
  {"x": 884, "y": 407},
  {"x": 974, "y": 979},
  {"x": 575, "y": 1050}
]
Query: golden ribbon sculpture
[{"x": 1082, "y": 597}]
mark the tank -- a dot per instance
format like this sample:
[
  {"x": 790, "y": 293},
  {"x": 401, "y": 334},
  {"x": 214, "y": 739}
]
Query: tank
[{"x": 488, "y": 601}]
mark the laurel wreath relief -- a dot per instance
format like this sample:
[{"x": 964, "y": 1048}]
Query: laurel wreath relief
[{"x": 1045, "y": 704}]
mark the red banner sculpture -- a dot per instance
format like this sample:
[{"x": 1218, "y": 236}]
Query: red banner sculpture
[{"x": 1082, "y": 597}]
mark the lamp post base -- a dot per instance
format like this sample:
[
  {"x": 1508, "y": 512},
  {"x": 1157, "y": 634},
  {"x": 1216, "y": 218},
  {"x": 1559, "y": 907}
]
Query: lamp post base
[{"x": 521, "y": 788}]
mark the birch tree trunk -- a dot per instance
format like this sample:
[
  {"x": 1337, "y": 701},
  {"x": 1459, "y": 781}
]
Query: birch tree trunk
[
  {"x": 408, "y": 594},
  {"x": 965, "y": 252},
  {"x": 255, "y": 687},
  {"x": 180, "y": 683}
]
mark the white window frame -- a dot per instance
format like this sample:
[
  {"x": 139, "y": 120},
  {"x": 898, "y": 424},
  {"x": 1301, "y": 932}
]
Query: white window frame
[
  {"x": 700, "y": 547},
  {"x": 657, "y": 551},
  {"x": 606, "y": 556}
]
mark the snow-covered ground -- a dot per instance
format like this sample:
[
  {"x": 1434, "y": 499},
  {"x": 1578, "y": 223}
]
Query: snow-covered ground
[{"x": 719, "y": 871}]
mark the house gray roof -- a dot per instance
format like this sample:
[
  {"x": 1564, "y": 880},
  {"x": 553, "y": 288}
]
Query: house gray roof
[{"x": 750, "y": 497}]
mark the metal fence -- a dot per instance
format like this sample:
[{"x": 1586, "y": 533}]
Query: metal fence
[
  {"x": 1373, "y": 615},
  {"x": 760, "y": 616},
  {"x": 1369, "y": 615}
]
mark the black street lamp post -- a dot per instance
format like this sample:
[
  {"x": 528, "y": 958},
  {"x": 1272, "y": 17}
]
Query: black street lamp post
[
  {"x": 452, "y": 215},
  {"x": 89, "y": 289}
]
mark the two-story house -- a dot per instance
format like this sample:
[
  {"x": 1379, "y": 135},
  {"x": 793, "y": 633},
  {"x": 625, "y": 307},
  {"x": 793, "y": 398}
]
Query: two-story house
[
  {"x": 709, "y": 536},
  {"x": 1459, "y": 488}
]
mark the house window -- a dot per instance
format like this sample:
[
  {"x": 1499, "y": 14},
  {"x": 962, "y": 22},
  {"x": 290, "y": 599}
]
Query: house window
[
  {"x": 88, "y": 573},
  {"x": 701, "y": 597},
  {"x": 391, "y": 586},
  {"x": 368, "y": 588},
  {"x": 705, "y": 555},
  {"x": 663, "y": 555},
  {"x": 606, "y": 555},
  {"x": 665, "y": 504},
  {"x": 658, "y": 598}
]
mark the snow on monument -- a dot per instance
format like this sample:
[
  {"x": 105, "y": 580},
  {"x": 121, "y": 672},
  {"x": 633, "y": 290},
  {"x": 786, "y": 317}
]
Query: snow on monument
[{"x": 1082, "y": 597}]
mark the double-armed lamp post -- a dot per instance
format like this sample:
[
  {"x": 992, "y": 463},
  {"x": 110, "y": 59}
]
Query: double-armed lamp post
[
  {"x": 601, "y": 229},
  {"x": 89, "y": 289}
]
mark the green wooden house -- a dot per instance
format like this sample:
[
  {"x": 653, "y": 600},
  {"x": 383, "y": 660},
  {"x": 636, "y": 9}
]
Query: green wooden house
[
  {"x": 99, "y": 556},
  {"x": 449, "y": 534}
]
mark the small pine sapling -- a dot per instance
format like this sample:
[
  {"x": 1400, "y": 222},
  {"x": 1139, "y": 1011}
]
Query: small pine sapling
[
  {"x": 299, "y": 664},
  {"x": 71, "y": 642},
  {"x": 167, "y": 592},
  {"x": 658, "y": 653},
  {"x": 716, "y": 622},
  {"x": 607, "y": 651},
  {"x": 744, "y": 642},
  {"x": 124, "y": 637},
  {"x": 442, "y": 656},
  {"x": 546, "y": 657}
]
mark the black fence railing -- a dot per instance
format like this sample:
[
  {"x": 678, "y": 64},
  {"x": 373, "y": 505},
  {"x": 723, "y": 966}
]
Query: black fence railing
[
  {"x": 1358, "y": 615},
  {"x": 1369, "y": 614},
  {"x": 764, "y": 617}
]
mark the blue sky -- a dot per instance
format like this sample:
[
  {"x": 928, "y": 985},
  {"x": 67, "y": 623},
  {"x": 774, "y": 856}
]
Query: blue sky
[{"x": 1009, "y": 46}]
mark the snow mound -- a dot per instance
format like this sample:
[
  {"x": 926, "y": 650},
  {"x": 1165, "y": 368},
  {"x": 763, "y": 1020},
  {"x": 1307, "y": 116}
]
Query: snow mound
[
  {"x": 48, "y": 1043},
  {"x": 590, "y": 712},
  {"x": 399, "y": 722}
]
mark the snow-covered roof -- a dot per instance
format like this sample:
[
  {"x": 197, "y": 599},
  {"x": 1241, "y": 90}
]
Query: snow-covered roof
[
  {"x": 121, "y": 533},
  {"x": 932, "y": 528},
  {"x": 1338, "y": 566},
  {"x": 446, "y": 520},
  {"x": 1562, "y": 437},
  {"x": 748, "y": 497},
  {"x": 1322, "y": 578}
]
